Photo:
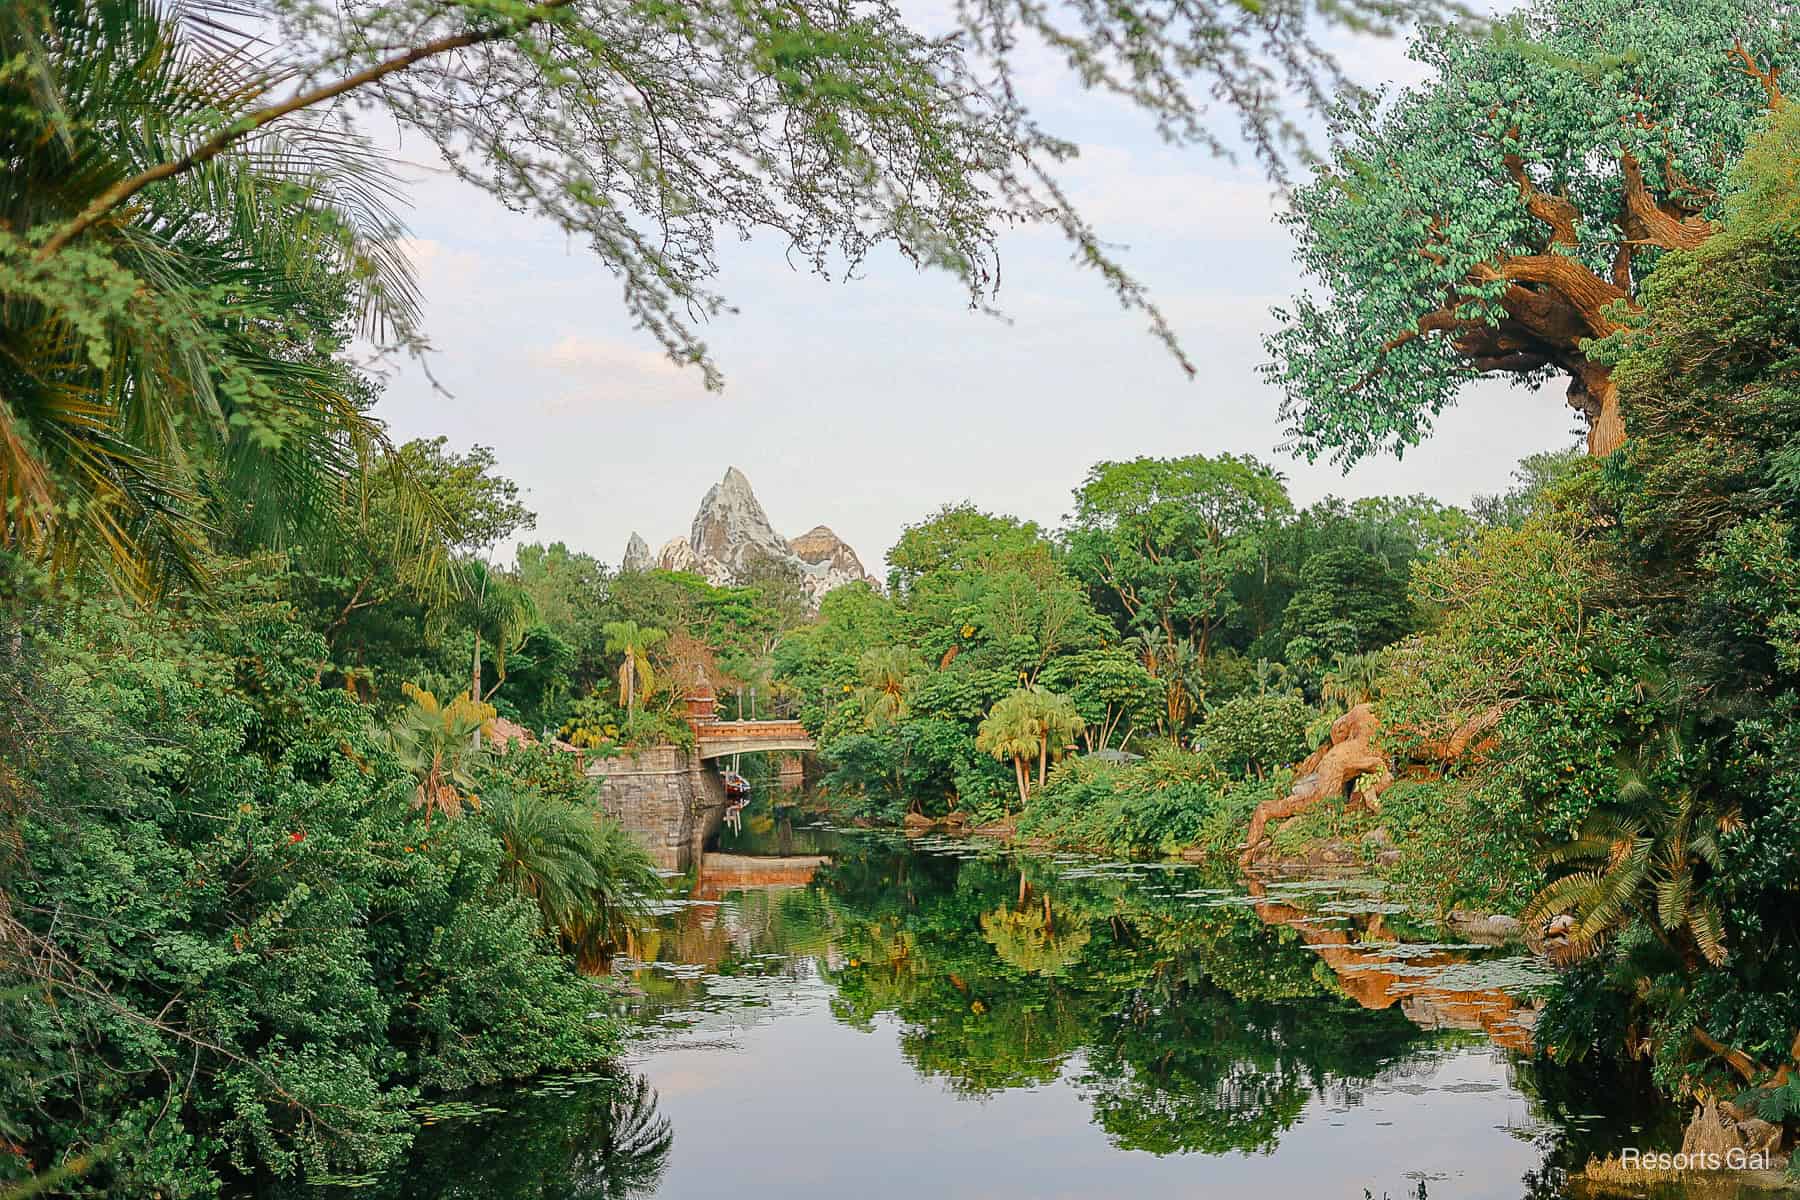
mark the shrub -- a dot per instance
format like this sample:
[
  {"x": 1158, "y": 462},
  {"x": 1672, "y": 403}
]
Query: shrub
[{"x": 1253, "y": 734}]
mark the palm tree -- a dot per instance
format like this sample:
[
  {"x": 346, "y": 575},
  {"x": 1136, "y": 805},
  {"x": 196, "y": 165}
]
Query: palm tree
[
  {"x": 545, "y": 852},
  {"x": 1058, "y": 727},
  {"x": 1184, "y": 680},
  {"x": 627, "y": 1151},
  {"x": 1029, "y": 939},
  {"x": 888, "y": 673},
  {"x": 1642, "y": 858},
  {"x": 634, "y": 642},
  {"x": 438, "y": 743},
  {"x": 623, "y": 898},
  {"x": 496, "y": 607},
  {"x": 1354, "y": 678},
  {"x": 165, "y": 376},
  {"x": 590, "y": 880},
  {"x": 1012, "y": 730}
]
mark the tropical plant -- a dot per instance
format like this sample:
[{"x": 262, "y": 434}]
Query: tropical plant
[
  {"x": 1644, "y": 858},
  {"x": 590, "y": 881},
  {"x": 1012, "y": 732},
  {"x": 440, "y": 744},
  {"x": 622, "y": 897},
  {"x": 1030, "y": 724},
  {"x": 1255, "y": 733},
  {"x": 495, "y": 607},
  {"x": 888, "y": 675},
  {"x": 172, "y": 372},
  {"x": 633, "y": 643},
  {"x": 1353, "y": 678},
  {"x": 1059, "y": 724},
  {"x": 1032, "y": 939}
]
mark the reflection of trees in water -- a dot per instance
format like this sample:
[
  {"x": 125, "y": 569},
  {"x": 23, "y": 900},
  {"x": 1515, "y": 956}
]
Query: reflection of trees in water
[
  {"x": 593, "y": 1139},
  {"x": 631, "y": 1150},
  {"x": 1201, "y": 1029},
  {"x": 1590, "y": 1108},
  {"x": 1201, "y": 1070}
]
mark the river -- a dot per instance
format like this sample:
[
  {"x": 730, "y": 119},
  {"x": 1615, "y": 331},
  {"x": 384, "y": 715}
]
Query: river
[{"x": 931, "y": 1017}]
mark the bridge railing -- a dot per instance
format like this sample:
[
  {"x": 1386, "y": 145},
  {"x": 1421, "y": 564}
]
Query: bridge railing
[{"x": 749, "y": 730}]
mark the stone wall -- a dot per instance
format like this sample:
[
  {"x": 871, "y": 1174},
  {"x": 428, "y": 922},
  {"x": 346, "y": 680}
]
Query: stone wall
[{"x": 671, "y": 800}]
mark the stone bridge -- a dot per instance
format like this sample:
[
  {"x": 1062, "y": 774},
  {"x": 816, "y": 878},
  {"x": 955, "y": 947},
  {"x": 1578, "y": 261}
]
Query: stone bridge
[
  {"x": 721, "y": 739},
  {"x": 669, "y": 797}
]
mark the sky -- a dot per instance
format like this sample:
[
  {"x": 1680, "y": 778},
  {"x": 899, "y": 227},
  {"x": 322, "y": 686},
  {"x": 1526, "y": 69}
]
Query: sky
[{"x": 866, "y": 405}]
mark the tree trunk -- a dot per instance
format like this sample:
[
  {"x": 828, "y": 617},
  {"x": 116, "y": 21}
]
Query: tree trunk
[
  {"x": 1043, "y": 759},
  {"x": 1022, "y": 775},
  {"x": 475, "y": 687},
  {"x": 475, "y": 671},
  {"x": 1606, "y": 423}
]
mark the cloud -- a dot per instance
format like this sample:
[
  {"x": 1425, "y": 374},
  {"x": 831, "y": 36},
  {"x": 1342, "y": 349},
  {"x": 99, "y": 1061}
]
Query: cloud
[
  {"x": 1123, "y": 194},
  {"x": 442, "y": 269},
  {"x": 601, "y": 369}
]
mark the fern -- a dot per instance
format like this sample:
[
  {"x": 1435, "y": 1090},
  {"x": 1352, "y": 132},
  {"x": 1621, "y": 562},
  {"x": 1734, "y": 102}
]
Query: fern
[{"x": 1775, "y": 1104}]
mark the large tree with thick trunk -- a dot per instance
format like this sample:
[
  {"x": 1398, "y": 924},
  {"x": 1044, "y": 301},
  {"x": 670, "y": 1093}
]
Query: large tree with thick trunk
[{"x": 1496, "y": 219}]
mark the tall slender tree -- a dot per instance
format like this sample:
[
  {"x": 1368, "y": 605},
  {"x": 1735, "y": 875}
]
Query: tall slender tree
[{"x": 633, "y": 643}]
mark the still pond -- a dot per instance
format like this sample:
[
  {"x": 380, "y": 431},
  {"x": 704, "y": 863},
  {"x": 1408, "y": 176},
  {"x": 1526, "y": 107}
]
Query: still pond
[{"x": 929, "y": 1017}]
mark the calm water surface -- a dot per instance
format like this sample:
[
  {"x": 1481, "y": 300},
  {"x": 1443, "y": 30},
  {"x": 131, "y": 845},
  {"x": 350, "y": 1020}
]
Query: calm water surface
[{"x": 935, "y": 1018}]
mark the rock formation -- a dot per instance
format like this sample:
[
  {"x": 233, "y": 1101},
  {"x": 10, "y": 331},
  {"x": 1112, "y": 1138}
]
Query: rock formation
[
  {"x": 677, "y": 555},
  {"x": 637, "y": 554},
  {"x": 1352, "y": 763},
  {"x": 732, "y": 541}
]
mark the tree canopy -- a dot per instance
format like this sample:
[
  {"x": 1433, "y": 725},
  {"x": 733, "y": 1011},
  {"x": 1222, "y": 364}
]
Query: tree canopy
[{"x": 1498, "y": 217}]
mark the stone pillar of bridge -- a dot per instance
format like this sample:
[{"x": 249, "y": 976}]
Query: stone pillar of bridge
[
  {"x": 701, "y": 704},
  {"x": 666, "y": 797}
]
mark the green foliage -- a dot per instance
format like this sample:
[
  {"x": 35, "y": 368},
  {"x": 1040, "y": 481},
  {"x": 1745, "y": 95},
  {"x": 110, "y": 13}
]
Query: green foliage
[
  {"x": 591, "y": 881},
  {"x": 1701, "y": 856},
  {"x": 1523, "y": 628},
  {"x": 175, "y": 370},
  {"x": 1645, "y": 857},
  {"x": 1157, "y": 805},
  {"x": 1349, "y": 602},
  {"x": 957, "y": 539},
  {"x": 1161, "y": 539},
  {"x": 1146, "y": 612},
  {"x": 437, "y": 744},
  {"x": 251, "y": 953},
  {"x": 1256, "y": 734},
  {"x": 1419, "y": 229}
]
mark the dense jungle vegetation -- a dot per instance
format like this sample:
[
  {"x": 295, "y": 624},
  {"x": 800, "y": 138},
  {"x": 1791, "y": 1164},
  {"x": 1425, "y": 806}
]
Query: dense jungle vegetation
[{"x": 292, "y": 828}]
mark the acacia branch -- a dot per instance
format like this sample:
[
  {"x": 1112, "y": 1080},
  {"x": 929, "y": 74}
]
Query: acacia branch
[{"x": 248, "y": 124}]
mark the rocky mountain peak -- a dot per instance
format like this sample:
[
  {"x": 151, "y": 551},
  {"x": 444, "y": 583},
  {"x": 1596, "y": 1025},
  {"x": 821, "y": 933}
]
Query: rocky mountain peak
[
  {"x": 637, "y": 554},
  {"x": 823, "y": 548},
  {"x": 732, "y": 528},
  {"x": 732, "y": 541}
]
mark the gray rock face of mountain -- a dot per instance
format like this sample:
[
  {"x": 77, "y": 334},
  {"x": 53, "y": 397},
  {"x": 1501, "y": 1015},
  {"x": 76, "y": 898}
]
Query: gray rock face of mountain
[
  {"x": 731, "y": 527},
  {"x": 677, "y": 555},
  {"x": 637, "y": 555},
  {"x": 732, "y": 541},
  {"x": 829, "y": 555}
]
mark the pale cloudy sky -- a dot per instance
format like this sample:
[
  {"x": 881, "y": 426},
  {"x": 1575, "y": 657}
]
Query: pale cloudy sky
[{"x": 864, "y": 405}]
